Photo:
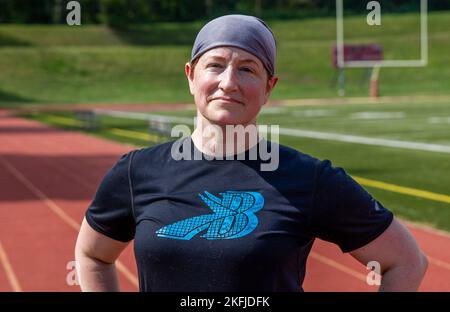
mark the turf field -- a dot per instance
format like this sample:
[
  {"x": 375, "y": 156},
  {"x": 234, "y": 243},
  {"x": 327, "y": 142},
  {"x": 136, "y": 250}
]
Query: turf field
[{"x": 42, "y": 64}]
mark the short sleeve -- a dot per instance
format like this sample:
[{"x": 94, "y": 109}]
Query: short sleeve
[
  {"x": 343, "y": 212},
  {"x": 111, "y": 212}
]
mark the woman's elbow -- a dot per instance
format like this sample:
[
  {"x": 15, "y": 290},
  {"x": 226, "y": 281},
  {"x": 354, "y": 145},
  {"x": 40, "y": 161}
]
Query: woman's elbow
[
  {"x": 417, "y": 267},
  {"x": 422, "y": 264}
]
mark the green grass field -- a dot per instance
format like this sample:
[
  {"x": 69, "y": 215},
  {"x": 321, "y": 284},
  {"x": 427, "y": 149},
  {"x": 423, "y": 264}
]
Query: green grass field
[
  {"x": 94, "y": 64},
  {"x": 413, "y": 169}
]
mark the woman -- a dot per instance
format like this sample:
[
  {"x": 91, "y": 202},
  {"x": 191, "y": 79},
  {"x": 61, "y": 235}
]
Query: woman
[{"x": 227, "y": 225}]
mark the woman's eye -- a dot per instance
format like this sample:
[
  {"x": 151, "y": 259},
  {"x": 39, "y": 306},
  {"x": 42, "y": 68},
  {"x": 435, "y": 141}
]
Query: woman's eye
[
  {"x": 214, "y": 65},
  {"x": 247, "y": 69}
]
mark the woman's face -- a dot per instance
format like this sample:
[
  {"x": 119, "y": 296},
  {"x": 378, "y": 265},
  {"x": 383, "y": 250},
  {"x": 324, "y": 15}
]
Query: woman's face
[{"x": 229, "y": 86}]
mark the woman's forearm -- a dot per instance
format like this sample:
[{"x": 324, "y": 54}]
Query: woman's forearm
[{"x": 96, "y": 275}]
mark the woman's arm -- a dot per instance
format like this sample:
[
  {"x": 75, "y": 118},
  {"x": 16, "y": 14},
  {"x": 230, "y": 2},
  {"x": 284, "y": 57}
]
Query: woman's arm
[
  {"x": 95, "y": 255},
  {"x": 402, "y": 263}
]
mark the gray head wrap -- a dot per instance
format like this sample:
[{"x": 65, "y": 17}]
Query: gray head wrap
[{"x": 241, "y": 31}]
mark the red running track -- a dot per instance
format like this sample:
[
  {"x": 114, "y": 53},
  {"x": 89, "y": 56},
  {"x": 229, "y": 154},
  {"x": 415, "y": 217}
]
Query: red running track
[{"x": 49, "y": 176}]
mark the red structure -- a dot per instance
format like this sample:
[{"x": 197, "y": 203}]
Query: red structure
[
  {"x": 355, "y": 53},
  {"x": 359, "y": 52}
]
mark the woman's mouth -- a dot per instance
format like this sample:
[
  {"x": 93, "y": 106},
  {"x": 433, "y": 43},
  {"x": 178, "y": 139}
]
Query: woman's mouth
[{"x": 227, "y": 99}]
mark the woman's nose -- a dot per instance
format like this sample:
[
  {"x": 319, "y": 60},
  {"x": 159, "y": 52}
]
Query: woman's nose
[{"x": 228, "y": 80}]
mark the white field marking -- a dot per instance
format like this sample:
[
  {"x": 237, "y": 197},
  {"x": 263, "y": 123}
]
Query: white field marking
[
  {"x": 300, "y": 133},
  {"x": 426, "y": 100},
  {"x": 426, "y": 228},
  {"x": 338, "y": 266},
  {"x": 313, "y": 113},
  {"x": 145, "y": 116},
  {"x": 365, "y": 140},
  {"x": 439, "y": 120},
  {"x": 12, "y": 278},
  {"x": 378, "y": 115},
  {"x": 439, "y": 263},
  {"x": 273, "y": 110}
]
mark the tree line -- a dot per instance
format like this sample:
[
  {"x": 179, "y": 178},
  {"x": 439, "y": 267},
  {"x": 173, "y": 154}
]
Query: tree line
[{"x": 120, "y": 13}]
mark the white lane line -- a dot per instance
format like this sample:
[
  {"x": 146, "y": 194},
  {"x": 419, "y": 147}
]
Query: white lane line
[
  {"x": 439, "y": 263},
  {"x": 12, "y": 278},
  {"x": 313, "y": 113},
  {"x": 61, "y": 214},
  {"x": 340, "y": 267},
  {"x": 365, "y": 140},
  {"x": 439, "y": 120},
  {"x": 377, "y": 115}
]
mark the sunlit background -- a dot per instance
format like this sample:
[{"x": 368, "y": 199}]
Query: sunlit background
[{"x": 74, "y": 98}]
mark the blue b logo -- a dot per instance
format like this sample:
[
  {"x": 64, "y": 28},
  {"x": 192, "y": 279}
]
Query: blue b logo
[{"x": 233, "y": 217}]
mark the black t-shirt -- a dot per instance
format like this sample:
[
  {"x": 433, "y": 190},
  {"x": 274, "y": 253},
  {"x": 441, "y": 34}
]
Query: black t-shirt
[{"x": 225, "y": 225}]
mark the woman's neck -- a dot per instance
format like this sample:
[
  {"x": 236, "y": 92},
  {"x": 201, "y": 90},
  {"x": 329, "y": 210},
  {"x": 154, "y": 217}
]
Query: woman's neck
[{"x": 221, "y": 141}]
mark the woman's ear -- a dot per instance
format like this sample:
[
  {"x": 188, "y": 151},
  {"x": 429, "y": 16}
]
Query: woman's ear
[
  {"x": 271, "y": 82},
  {"x": 189, "y": 71}
]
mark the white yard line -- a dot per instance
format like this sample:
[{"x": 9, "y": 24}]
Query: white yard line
[
  {"x": 377, "y": 115},
  {"x": 299, "y": 133},
  {"x": 365, "y": 140},
  {"x": 439, "y": 120}
]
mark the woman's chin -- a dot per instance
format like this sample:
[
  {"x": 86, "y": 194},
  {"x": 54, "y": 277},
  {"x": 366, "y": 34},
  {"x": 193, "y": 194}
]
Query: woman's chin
[
  {"x": 225, "y": 117},
  {"x": 229, "y": 121}
]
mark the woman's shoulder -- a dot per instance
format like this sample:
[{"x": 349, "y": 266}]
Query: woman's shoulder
[
  {"x": 156, "y": 152},
  {"x": 294, "y": 156}
]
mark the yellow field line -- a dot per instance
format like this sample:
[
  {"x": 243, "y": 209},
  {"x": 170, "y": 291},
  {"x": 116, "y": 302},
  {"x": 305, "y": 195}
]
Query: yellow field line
[
  {"x": 64, "y": 121},
  {"x": 62, "y": 215},
  {"x": 403, "y": 190},
  {"x": 136, "y": 135},
  {"x": 9, "y": 270},
  {"x": 119, "y": 132}
]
